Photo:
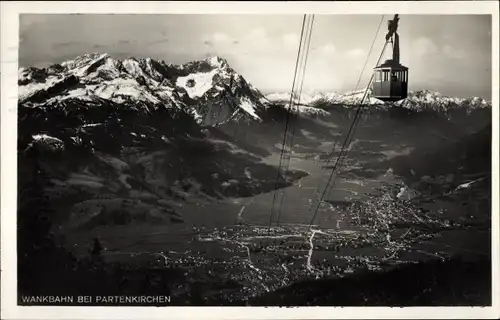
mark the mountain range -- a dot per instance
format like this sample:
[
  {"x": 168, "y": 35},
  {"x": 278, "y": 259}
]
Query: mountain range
[
  {"x": 209, "y": 90},
  {"x": 93, "y": 102},
  {"x": 417, "y": 100}
]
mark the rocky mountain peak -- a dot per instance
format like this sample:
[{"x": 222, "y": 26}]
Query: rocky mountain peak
[{"x": 194, "y": 85}]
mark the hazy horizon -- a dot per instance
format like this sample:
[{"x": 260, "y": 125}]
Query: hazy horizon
[{"x": 446, "y": 53}]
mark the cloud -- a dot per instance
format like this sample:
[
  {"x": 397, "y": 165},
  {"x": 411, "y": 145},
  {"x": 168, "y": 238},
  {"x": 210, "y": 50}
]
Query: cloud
[
  {"x": 259, "y": 40},
  {"x": 258, "y": 33},
  {"x": 424, "y": 46},
  {"x": 355, "y": 53},
  {"x": 453, "y": 53},
  {"x": 221, "y": 37},
  {"x": 328, "y": 48},
  {"x": 157, "y": 42},
  {"x": 66, "y": 44},
  {"x": 220, "y": 42},
  {"x": 291, "y": 41},
  {"x": 26, "y": 20}
]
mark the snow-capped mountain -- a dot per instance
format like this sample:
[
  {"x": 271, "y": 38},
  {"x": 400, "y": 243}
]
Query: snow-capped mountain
[
  {"x": 426, "y": 99},
  {"x": 208, "y": 89},
  {"x": 417, "y": 100},
  {"x": 302, "y": 105},
  {"x": 310, "y": 99}
]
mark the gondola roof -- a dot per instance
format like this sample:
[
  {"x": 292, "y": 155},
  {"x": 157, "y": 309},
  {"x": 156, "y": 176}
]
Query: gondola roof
[{"x": 391, "y": 64}]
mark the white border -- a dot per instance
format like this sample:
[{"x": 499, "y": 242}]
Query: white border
[{"x": 9, "y": 45}]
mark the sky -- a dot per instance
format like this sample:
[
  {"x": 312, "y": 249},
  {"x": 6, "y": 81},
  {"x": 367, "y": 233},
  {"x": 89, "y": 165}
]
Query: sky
[{"x": 450, "y": 54}]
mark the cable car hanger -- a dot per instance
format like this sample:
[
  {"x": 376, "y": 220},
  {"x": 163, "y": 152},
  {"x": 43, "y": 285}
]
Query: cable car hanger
[{"x": 391, "y": 77}]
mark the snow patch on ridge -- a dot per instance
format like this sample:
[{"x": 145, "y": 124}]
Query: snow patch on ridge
[
  {"x": 202, "y": 82},
  {"x": 307, "y": 111},
  {"x": 249, "y": 108},
  {"x": 32, "y": 87}
]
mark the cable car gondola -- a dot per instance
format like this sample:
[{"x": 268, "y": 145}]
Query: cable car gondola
[{"x": 390, "y": 82}]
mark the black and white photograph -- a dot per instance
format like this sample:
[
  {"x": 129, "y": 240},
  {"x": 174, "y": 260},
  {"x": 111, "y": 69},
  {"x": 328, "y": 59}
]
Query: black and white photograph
[{"x": 253, "y": 160}]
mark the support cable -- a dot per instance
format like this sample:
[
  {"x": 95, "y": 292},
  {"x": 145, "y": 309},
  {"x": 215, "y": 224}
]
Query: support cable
[
  {"x": 286, "y": 125},
  {"x": 297, "y": 114}
]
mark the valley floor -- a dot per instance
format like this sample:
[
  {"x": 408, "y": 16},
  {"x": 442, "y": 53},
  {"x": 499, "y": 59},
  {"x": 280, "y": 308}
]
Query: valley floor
[{"x": 229, "y": 255}]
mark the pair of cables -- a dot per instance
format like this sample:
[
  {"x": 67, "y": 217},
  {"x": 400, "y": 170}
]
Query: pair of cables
[{"x": 293, "y": 110}]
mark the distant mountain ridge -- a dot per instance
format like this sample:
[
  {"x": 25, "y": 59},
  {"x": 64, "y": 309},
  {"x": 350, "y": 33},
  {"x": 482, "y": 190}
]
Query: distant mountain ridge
[
  {"x": 210, "y": 90},
  {"x": 417, "y": 100}
]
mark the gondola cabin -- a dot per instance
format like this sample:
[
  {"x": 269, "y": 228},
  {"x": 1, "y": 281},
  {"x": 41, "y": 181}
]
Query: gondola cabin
[{"x": 390, "y": 79}]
